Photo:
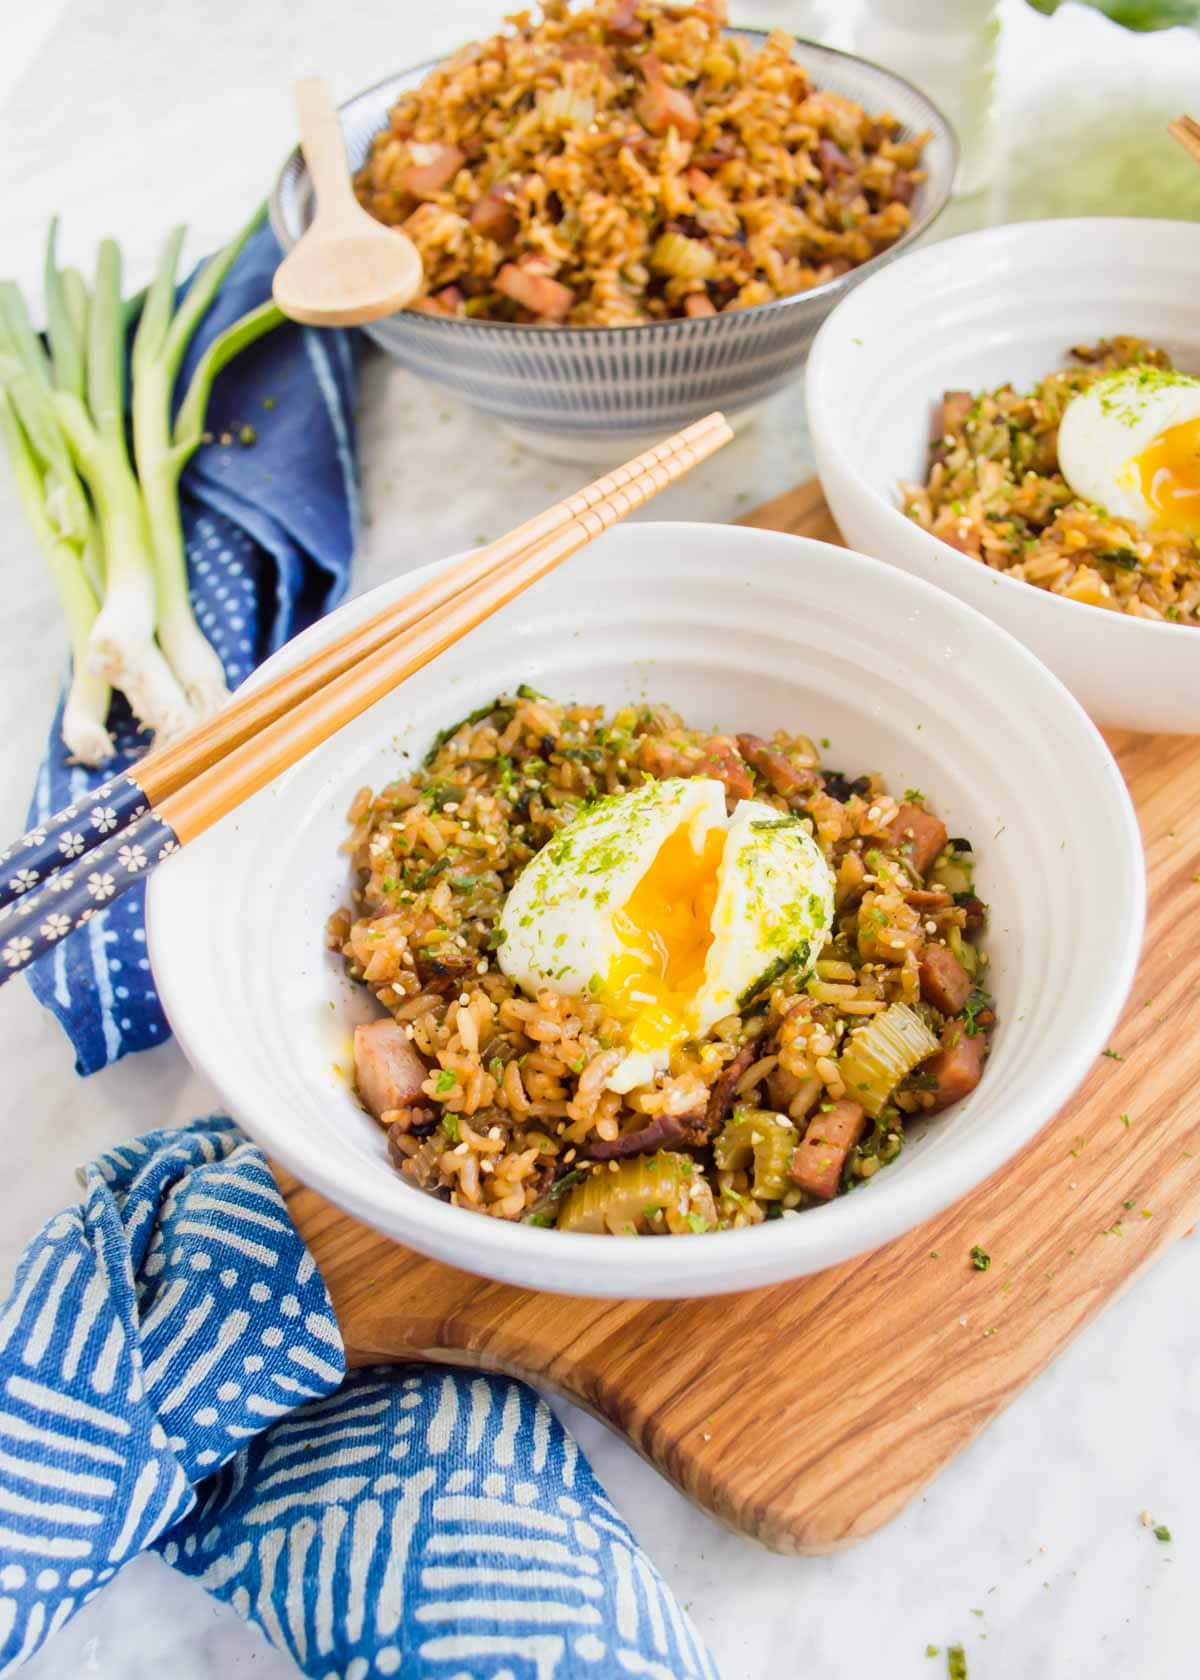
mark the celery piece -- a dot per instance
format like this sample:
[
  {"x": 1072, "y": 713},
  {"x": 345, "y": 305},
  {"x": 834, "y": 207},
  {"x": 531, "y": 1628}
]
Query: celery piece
[
  {"x": 761, "y": 1136},
  {"x": 617, "y": 1201},
  {"x": 876, "y": 1057}
]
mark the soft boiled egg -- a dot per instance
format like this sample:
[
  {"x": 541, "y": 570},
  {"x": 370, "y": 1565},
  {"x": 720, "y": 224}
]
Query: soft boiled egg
[
  {"x": 1131, "y": 442},
  {"x": 670, "y": 913}
]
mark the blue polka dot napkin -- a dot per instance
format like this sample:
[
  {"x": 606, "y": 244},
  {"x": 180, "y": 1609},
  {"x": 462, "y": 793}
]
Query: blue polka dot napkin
[
  {"x": 269, "y": 530},
  {"x": 172, "y": 1377}
]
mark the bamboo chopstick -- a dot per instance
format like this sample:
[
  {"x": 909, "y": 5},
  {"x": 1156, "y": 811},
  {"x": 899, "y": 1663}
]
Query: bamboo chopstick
[
  {"x": 1187, "y": 131},
  {"x": 113, "y": 807},
  {"x": 73, "y": 894}
]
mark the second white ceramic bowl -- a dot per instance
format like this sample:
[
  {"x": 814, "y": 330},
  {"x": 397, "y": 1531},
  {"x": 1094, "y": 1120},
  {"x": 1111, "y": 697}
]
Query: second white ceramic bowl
[
  {"x": 1005, "y": 305},
  {"x": 750, "y": 630}
]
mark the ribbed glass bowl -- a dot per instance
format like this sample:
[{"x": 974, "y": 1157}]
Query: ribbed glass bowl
[{"x": 591, "y": 393}]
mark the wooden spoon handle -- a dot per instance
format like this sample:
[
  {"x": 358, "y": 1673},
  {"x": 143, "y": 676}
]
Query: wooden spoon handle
[{"x": 323, "y": 146}]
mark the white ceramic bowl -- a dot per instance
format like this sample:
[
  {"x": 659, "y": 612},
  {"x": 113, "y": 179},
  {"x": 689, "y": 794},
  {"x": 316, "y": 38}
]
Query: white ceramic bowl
[
  {"x": 1005, "y": 304},
  {"x": 752, "y": 630},
  {"x": 602, "y": 393}
]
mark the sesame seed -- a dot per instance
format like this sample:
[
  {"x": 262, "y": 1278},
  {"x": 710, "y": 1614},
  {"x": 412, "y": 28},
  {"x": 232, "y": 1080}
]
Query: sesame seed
[
  {"x": 930, "y": 927},
  {"x": 463, "y": 998},
  {"x": 461, "y": 1149}
]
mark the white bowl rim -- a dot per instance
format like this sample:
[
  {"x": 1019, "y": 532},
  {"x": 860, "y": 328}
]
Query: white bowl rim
[
  {"x": 1005, "y": 233},
  {"x": 703, "y": 324},
  {"x": 852, "y": 1224}
]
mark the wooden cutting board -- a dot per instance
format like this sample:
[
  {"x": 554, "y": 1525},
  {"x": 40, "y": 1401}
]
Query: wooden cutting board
[{"x": 807, "y": 1415}]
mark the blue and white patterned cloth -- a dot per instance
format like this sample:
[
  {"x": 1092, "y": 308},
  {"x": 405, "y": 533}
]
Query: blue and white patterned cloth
[
  {"x": 269, "y": 531},
  {"x": 172, "y": 1376}
]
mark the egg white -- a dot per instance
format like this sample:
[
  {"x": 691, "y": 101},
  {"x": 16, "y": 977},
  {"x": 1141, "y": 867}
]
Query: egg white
[
  {"x": 557, "y": 923},
  {"x": 1107, "y": 427},
  {"x": 773, "y": 912}
]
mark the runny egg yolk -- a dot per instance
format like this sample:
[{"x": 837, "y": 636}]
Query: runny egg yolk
[
  {"x": 1169, "y": 473},
  {"x": 665, "y": 929}
]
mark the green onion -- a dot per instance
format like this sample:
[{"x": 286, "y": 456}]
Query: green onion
[
  {"x": 88, "y": 695},
  {"x": 110, "y": 525}
]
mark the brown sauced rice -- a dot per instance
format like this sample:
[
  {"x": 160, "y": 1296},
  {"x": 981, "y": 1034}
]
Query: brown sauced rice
[
  {"x": 515, "y": 1100},
  {"x": 627, "y": 162},
  {"x": 995, "y": 492}
]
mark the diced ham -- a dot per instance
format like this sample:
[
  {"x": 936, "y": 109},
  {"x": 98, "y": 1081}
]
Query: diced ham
[
  {"x": 956, "y": 1069},
  {"x": 662, "y": 106},
  {"x": 718, "y": 758},
  {"x": 832, "y": 161},
  {"x": 945, "y": 983},
  {"x": 448, "y": 301},
  {"x": 778, "y": 770},
  {"x": 922, "y": 832},
  {"x": 623, "y": 22},
  {"x": 724, "y": 763},
  {"x": 586, "y": 52},
  {"x": 697, "y": 304},
  {"x": 956, "y": 405},
  {"x": 903, "y": 186},
  {"x": 433, "y": 165},
  {"x": 493, "y": 214},
  {"x": 388, "y": 1072},
  {"x": 535, "y": 291},
  {"x": 818, "y": 1161}
]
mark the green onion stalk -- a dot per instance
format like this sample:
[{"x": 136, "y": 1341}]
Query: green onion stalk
[
  {"x": 109, "y": 524},
  {"x": 161, "y": 449},
  {"x": 88, "y": 695}
]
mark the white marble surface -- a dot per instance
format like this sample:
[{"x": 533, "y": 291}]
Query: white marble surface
[{"x": 125, "y": 118}]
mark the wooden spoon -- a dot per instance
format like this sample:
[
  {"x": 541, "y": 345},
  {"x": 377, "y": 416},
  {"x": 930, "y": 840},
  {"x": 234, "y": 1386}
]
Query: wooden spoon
[{"x": 348, "y": 267}]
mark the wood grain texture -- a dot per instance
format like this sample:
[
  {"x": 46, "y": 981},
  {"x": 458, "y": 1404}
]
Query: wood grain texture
[{"x": 874, "y": 1374}]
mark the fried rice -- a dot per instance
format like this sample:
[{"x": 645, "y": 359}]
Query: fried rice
[
  {"x": 995, "y": 492},
  {"x": 630, "y": 161},
  {"x": 512, "y": 1116}
]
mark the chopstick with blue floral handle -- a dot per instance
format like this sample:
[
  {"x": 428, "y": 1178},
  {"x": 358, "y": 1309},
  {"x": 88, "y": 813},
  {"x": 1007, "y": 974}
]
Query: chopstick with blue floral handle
[
  {"x": 70, "y": 895},
  {"x": 76, "y": 831}
]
